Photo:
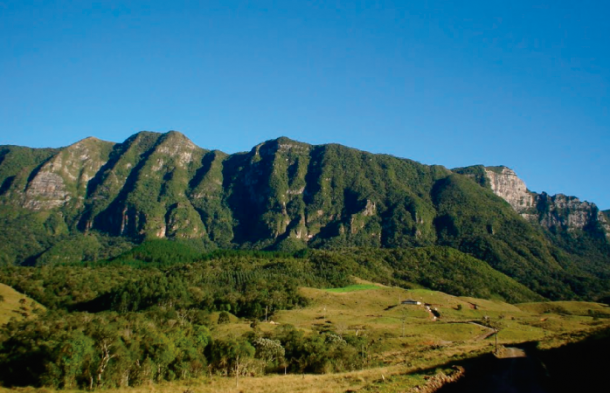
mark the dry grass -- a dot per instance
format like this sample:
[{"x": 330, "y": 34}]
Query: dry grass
[
  {"x": 11, "y": 306},
  {"x": 266, "y": 384}
]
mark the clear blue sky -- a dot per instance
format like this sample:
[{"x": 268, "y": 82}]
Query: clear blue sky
[{"x": 524, "y": 84}]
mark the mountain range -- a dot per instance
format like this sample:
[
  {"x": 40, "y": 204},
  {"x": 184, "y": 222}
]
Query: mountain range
[{"x": 96, "y": 199}]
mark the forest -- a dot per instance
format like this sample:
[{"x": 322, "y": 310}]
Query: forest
[{"x": 146, "y": 317}]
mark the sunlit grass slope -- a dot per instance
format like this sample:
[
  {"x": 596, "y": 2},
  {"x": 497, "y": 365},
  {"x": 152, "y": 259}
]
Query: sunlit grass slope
[{"x": 15, "y": 305}]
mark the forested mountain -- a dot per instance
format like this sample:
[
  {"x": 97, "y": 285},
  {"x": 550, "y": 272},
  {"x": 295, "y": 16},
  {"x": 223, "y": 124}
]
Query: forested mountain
[{"x": 94, "y": 200}]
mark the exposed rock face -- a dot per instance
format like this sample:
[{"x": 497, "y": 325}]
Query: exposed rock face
[
  {"x": 46, "y": 191},
  {"x": 66, "y": 175},
  {"x": 557, "y": 213},
  {"x": 561, "y": 211},
  {"x": 178, "y": 147},
  {"x": 507, "y": 185}
]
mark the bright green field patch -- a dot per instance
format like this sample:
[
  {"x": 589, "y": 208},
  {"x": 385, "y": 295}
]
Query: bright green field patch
[{"x": 352, "y": 288}]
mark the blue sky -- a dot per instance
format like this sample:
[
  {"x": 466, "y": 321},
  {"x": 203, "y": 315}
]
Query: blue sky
[{"x": 524, "y": 84}]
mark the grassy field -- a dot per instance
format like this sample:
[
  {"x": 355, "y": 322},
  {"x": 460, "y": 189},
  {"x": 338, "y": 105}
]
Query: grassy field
[
  {"x": 405, "y": 355},
  {"x": 15, "y": 305},
  {"x": 325, "y": 383},
  {"x": 407, "y": 344}
]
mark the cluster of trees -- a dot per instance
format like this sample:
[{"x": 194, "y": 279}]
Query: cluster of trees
[{"x": 84, "y": 350}]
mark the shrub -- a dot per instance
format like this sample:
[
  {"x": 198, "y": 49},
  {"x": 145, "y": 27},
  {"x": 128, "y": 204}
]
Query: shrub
[{"x": 223, "y": 318}]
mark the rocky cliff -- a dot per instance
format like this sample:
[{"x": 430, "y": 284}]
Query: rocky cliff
[
  {"x": 505, "y": 183},
  {"x": 556, "y": 213},
  {"x": 560, "y": 212}
]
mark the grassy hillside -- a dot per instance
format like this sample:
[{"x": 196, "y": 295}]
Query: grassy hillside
[
  {"x": 16, "y": 305},
  {"x": 568, "y": 308},
  {"x": 441, "y": 268}
]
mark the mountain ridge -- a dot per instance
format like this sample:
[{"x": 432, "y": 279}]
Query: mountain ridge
[{"x": 286, "y": 195}]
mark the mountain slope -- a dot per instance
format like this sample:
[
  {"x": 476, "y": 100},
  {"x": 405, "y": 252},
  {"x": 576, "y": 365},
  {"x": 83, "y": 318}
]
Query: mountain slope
[{"x": 91, "y": 199}]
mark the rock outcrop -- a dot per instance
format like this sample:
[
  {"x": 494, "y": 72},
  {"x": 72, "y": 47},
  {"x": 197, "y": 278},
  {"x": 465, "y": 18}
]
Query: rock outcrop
[
  {"x": 505, "y": 183},
  {"x": 569, "y": 213},
  {"x": 554, "y": 212},
  {"x": 65, "y": 176}
]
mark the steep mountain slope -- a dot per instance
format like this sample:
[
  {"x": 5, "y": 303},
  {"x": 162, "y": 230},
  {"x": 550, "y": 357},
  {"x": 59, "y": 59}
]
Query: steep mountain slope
[{"x": 91, "y": 199}]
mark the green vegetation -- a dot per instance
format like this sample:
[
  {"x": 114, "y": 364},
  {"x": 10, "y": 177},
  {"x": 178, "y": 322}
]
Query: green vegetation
[
  {"x": 136, "y": 320},
  {"x": 477, "y": 173},
  {"x": 16, "y": 164},
  {"x": 283, "y": 195},
  {"x": 155, "y": 261},
  {"x": 439, "y": 268},
  {"x": 567, "y": 308},
  {"x": 84, "y": 350}
]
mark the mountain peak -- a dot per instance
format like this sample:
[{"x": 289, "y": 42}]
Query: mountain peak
[
  {"x": 90, "y": 141},
  {"x": 281, "y": 144},
  {"x": 175, "y": 134}
]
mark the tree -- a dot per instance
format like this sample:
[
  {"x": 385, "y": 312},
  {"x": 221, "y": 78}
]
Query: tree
[
  {"x": 223, "y": 317},
  {"x": 270, "y": 351},
  {"x": 230, "y": 355},
  {"x": 105, "y": 341},
  {"x": 243, "y": 350},
  {"x": 75, "y": 356}
]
